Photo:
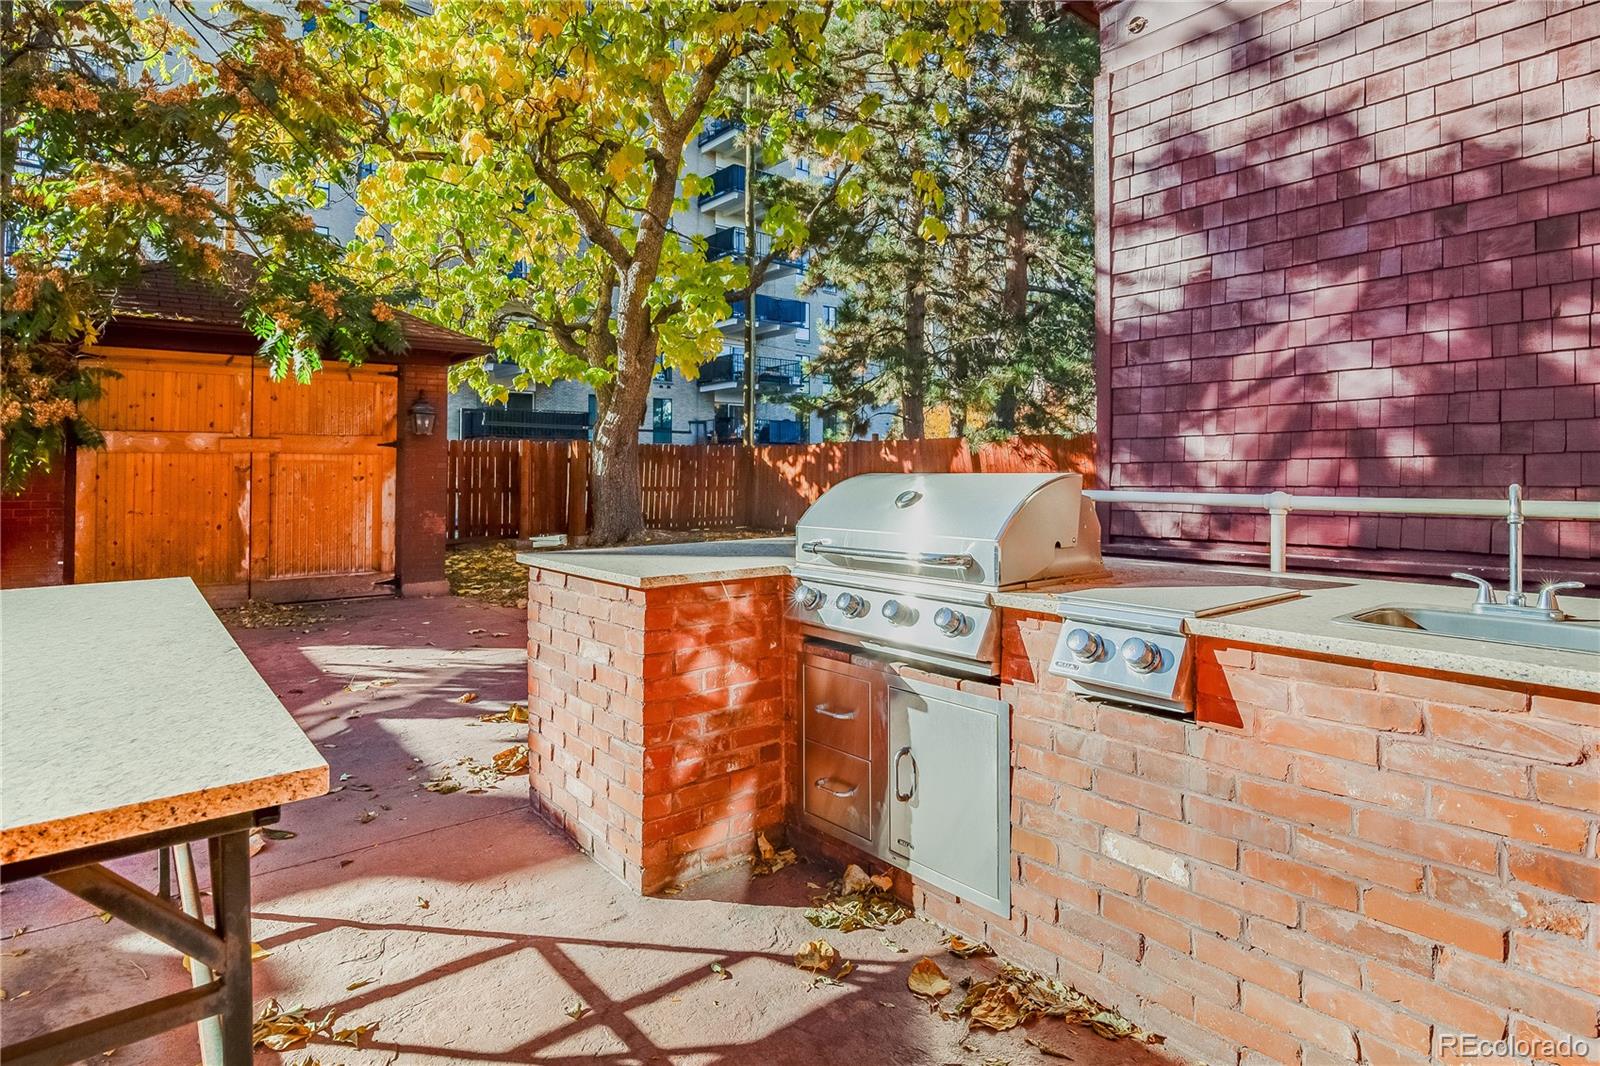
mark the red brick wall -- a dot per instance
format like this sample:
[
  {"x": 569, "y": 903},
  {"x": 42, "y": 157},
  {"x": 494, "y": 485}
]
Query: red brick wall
[
  {"x": 33, "y": 529},
  {"x": 658, "y": 719},
  {"x": 1371, "y": 860},
  {"x": 421, "y": 487},
  {"x": 1353, "y": 251}
]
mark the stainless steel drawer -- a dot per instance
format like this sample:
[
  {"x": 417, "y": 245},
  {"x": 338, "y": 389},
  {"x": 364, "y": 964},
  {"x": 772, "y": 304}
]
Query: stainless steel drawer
[
  {"x": 838, "y": 710},
  {"x": 838, "y": 789}
]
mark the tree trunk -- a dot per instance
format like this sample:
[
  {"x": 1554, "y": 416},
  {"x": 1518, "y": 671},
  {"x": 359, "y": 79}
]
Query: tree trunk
[
  {"x": 614, "y": 474},
  {"x": 1014, "y": 292},
  {"x": 915, "y": 378}
]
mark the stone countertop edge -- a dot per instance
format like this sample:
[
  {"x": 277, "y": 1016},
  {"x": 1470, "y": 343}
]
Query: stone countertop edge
[
  {"x": 659, "y": 565},
  {"x": 1309, "y": 623},
  {"x": 136, "y": 819}
]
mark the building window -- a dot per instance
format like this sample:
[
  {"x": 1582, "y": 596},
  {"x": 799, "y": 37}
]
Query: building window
[
  {"x": 802, "y": 165},
  {"x": 830, "y": 315},
  {"x": 323, "y": 231},
  {"x": 661, "y": 420}
]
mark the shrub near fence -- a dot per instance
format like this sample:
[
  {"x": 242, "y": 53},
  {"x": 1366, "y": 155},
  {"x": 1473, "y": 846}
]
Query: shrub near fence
[{"x": 501, "y": 488}]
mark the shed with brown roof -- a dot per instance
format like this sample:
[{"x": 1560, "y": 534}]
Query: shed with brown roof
[{"x": 255, "y": 488}]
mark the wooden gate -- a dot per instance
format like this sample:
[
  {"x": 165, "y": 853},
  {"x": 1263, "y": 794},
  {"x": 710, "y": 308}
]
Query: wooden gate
[{"x": 251, "y": 487}]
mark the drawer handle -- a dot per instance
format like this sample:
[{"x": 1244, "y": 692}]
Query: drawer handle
[
  {"x": 823, "y": 782},
  {"x": 828, "y": 712},
  {"x": 905, "y": 753}
]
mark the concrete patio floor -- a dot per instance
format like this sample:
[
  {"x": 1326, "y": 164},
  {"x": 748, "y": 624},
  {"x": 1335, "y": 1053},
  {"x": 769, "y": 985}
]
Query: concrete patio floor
[{"x": 467, "y": 929}]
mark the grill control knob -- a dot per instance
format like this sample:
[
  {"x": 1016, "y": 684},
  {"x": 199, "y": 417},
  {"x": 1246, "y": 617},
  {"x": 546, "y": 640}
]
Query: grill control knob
[
  {"x": 851, "y": 605},
  {"x": 951, "y": 622},
  {"x": 1084, "y": 645},
  {"x": 809, "y": 597},
  {"x": 1140, "y": 655},
  {"x": 896, "y": 612}
]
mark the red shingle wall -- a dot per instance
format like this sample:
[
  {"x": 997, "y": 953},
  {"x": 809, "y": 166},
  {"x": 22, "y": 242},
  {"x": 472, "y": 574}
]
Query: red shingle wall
[
  {"x": 658, "y": 719},
  {"x": 33, "y": 531},
  {"x": 1354, "y": 251},
  {"x": 1371, "y": 860}
]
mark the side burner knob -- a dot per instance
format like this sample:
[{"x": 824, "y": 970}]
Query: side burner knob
[
  {"x": 809, "y": 597},
  {"x": 1140, "y": 655},
  {"x": 950, "y": 622},
  {"x": 851, "y": 605},
  {"x": 1084, "y": 645}
]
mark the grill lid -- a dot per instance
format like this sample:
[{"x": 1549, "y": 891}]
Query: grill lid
[{"x": 986, "y": 530}]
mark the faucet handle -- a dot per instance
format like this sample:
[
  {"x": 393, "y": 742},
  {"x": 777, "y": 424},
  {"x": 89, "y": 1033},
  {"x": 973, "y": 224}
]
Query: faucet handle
[
  {"x": 1547, "y": 594},
  {"x": 1485, "y": 590}
]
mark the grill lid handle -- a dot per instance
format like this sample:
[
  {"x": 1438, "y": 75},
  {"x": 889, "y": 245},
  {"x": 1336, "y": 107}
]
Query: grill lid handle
[{"x": 824, "y": 547}]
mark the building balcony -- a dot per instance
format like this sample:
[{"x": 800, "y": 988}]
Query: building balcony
[
  {"x": 727, "y": 192},
  {"x": 720, "y": 136},
  {"x": 775, "y": 315},
  {"x": 728, "y": 242},
  {"x": 774, "y": 377}
]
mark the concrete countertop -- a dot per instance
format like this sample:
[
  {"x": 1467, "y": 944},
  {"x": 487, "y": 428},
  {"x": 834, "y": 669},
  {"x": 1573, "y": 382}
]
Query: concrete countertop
[
  {"x": 1309, "y": 622},
  {"x": 127, "y": 708},
  {"x": 654, "y": 565}
]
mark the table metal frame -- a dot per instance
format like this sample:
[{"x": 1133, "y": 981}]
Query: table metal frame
[{"x": 223, "y": 945}]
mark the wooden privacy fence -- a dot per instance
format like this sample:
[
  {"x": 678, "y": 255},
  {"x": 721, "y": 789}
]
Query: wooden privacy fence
[{"x": 501, "y": 488}]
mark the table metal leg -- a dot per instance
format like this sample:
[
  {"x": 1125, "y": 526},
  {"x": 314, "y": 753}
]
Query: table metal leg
[
  {"x": 230, "y": 893},
  {"x": 200, "y": 974}
]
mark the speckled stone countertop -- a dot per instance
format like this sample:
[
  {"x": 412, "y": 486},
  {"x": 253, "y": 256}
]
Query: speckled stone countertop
[
  {"x": 653, "y": 565},
  {"x": 1311, "y": 622},
  {"x": 126, "y": 708}
]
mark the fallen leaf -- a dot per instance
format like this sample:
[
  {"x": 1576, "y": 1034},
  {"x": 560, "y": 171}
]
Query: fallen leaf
[
  {"x": 721, "y": 971},
  {"x": 367, "y": 817},
  {"x": 513, "y": 760},
  {"x": 352, "y": 1036},
  {"x": 105, "y": 917},
  {"x": 576, "y": 1010},
  {"x": 475, "y": 632},
  {"x": 854, "y": 880},
  {"x": 363, "y": 686},
  {"x": 467, "y": 697},
  {"x": 962, "y": 948},
  {"x": 770, "y": 860},
  {"x": 422, "y": 904},
  {"x": 892, "y": 946},
  {"x": 516, "y": 712},
  {"x": 257, "y": 952},
  {"x": 882, "y": 882},
  {"x": 278, "y": 834},
  {"x": 443, "y": 785},
  {"x": 345, "y": 862},
  {"x": 926, "y": 979},
  {"x": 257, "y": 842},
  {"x": 1001, "y": 1008},
  {"x": 846, "y": 969},
  {"x": 817, "y": 956}
]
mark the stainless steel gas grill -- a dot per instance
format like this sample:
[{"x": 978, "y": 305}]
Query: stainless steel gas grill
[{"x": 905, "y": 564}]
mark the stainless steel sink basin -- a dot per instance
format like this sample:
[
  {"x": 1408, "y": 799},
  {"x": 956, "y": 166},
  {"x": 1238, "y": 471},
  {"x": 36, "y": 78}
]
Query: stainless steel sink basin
[{"x": 1498, "y": 629}]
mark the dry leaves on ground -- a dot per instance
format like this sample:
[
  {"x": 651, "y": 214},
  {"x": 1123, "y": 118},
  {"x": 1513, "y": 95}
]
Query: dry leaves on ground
[
  {"x": 516, "y": 712},
  {"x": 503, "y": 764},
  {"x": 1018, "y": 996},
  {"x": 513, "y": 760},
  {"x": 926, "y": 979},
  {"x": 769, "y": 860},
  {"x": 277, "y": 1029},
  {"x": 467, "y": 697},
  {"x": 259, "y": 614},
  {"x": 868, "y": 906},
  {"x": 488, "y": 572}
]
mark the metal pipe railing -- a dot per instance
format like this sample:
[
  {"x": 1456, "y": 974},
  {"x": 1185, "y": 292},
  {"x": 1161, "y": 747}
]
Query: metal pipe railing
[{"x": 1278, "y": 505}]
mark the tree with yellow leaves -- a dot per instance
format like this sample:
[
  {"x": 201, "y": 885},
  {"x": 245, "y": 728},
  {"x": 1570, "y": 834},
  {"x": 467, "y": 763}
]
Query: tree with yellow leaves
[{"x": 527, "y": 160}]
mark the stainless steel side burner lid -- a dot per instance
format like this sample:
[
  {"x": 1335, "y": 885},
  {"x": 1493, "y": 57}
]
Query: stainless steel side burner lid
[{"x": 1132, "y": 644}]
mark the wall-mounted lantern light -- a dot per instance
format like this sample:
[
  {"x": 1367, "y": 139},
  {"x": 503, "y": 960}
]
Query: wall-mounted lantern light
[{"x": 423, "y": 416}]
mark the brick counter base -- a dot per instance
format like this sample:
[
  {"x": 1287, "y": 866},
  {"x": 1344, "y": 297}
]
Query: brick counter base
[
  {"x": 657, "y": 719},
  {"x": 1366, "y": 863}
]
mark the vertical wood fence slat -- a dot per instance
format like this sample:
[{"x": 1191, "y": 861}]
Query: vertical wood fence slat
[{"x": 510, "y": 488}]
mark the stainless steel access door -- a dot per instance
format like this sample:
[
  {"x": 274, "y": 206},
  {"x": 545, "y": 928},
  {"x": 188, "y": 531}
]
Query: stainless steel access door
[{"x": 949, "y": 799}]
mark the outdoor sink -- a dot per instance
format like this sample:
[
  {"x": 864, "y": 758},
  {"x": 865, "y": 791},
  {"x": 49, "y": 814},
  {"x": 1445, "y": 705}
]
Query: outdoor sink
[{"x": 1570, "y": 635}]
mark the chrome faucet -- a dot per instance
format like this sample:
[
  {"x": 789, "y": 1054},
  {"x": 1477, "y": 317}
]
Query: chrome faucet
[{"x": 1516, "y": 600}]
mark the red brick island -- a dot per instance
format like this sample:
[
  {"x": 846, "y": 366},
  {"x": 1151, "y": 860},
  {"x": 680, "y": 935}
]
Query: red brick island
[{"x": 1354, "y": 851}]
